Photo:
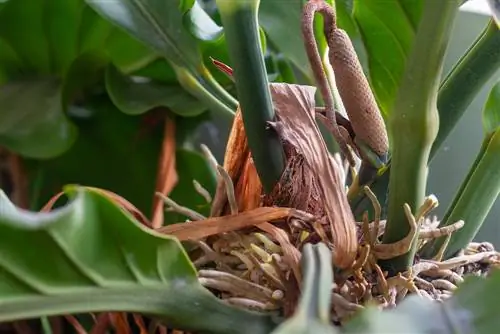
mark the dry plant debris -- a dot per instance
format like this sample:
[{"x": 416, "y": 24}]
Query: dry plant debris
[{"x": 250, "y": 257}]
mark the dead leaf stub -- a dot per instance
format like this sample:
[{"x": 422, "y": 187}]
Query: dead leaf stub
[{"x": 239, "y": 165}]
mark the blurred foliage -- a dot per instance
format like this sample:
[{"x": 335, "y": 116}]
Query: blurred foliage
[{"x": 85, "y": 88}]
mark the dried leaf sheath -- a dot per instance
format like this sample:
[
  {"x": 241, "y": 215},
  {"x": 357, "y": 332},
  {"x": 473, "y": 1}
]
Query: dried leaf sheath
[
  {"x": 311, "y": 181},
  {"x": 239, "y": 165}
]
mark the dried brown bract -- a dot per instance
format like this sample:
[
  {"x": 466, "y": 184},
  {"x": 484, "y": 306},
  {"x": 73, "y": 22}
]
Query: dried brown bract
[{"x": 311, "y": 181}]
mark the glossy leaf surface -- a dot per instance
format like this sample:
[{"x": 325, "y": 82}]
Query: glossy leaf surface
[
  {"x": 388, "y": 30},
  {"x": 137, "y": 97},
  {"x": 32, "y": 121},
  {"x": 66, "y": 268}
]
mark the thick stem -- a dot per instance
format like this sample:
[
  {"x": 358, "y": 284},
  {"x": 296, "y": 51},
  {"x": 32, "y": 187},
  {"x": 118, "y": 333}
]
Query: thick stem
[
  {"x": 216, "y": 89},
  {"x": 239, "y": 18},
  {"x": 414, "y": 123},
  {"x": 193, "y": 86}
]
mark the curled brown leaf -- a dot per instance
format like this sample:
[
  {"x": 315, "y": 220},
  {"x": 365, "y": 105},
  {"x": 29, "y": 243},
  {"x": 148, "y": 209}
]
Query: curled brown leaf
[
  {"x": 311, "y": 181},
  {"x": 199, "y": 229}
]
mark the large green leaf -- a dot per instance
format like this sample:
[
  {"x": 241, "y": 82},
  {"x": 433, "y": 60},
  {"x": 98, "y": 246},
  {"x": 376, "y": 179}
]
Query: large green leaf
[
  {"x": 48, "y": 35},
  {"x": 161, "y": 25},
  {"x": 158, "y": 23},
  {"x": 281, "y": 22},
  {"x": 113, "y": 151},
  {"x": 84, "y": 74},
  {"x": 30, "y": 43},
  {"x": 414, "y": 315},
  {"x": 465, "y": 80},
  {"x": 477, "y": 297},
  {"x": 92, "y": 256},
  {"x": 388, "y": 30},
  {"x": 32, "y": 121},
  {"x": 10, "y": 63},
  {"x": 135, "y": 98},
  {"x": 479, "y": 190},
  {"x": 159, "y": 70},
  {"x": 491, "y": 112},
  {"x": 50, "y": 51},
  {"x": 201, "y": 25}
]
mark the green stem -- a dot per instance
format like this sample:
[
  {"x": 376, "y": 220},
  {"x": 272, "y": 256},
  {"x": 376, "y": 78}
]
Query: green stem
[
  {"x": 463, "y": 83},
  {"x": 414, "y": 124},
  {"x": 46, "y": 326},
  {"x": 193, "y": 86},
  {"x": 217, "y": 89},
  {"x": 239, "y": 18}
]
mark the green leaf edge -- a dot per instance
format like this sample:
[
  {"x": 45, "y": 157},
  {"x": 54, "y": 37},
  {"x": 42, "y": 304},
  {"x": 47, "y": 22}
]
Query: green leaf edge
[{"x": 184, "y": 303}]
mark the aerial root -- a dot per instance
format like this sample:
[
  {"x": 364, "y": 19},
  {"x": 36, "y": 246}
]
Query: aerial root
[{"x": 174, "y": 207}]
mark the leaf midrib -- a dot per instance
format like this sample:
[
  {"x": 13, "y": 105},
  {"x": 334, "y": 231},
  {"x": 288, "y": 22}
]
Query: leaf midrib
[{"x": 143, "y": 9}]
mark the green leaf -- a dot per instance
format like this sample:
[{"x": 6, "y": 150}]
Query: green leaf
[
  {"x": 479, "y": 190},
  {"x": 84, "y": 73},
  {"x": 388, "y": 30},
  {"x": 30, "y": 43},
  {"x": 113, "y": 151},
  {"x": 98, "y": 35},
  {"x": 159, "y": 70},
  {"x": 469, "y": 74},
  {"x": 281, "y": 22},
  {"x": 60, "y": 19},
  {"x": 32, "y": 120},
  {"x": 91, "y": 256},
  {"x": 201, "y": 25},
  {"x": 157, "y": 23},
  {"x": 313, "y": 312},
  {"x": 414, "y": 315},
  {"x": 478, "y": 298},
  {"x": 133, "y": 97},
  {"x": 491, "y": 112},
  {"x": 47, "y": 36},
  {"x": 10, "y": 63},
  {"x": 127, "y": 53},
  {"x": 112, "y": 147}
]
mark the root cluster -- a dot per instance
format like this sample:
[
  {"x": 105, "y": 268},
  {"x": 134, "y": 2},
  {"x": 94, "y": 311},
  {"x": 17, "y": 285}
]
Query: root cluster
[{"x": 257, "y": 266}]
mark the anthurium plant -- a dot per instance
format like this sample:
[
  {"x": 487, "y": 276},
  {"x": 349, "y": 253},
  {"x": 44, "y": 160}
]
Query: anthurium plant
[{"x": 317, "y": 219}]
